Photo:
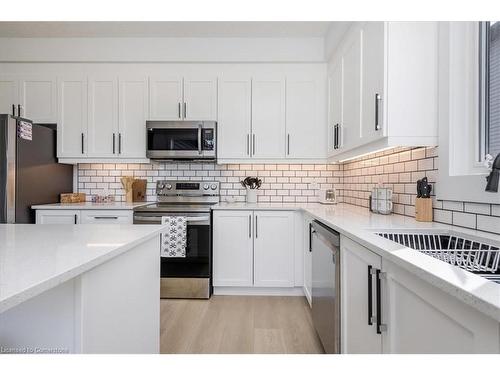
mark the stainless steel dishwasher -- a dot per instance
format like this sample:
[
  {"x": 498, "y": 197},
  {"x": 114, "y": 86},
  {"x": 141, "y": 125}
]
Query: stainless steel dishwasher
[{"x": 325, "y": 245}]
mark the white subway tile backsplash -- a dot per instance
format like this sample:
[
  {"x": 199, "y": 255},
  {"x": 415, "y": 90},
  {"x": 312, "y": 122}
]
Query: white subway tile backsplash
[{"x": 398, "y": 169}]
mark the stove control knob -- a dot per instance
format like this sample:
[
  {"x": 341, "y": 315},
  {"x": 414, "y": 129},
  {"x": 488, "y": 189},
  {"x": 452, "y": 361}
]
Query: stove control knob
[
  {"x": 205, "y": 187},
  {"x": 168, "y": 186},
  {"x": 160, "y": 186},
  {"x": 213, "y": 186}
]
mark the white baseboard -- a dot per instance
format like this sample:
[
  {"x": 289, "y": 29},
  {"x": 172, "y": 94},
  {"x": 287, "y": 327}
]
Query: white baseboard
[{"x": 256, "y": 291}]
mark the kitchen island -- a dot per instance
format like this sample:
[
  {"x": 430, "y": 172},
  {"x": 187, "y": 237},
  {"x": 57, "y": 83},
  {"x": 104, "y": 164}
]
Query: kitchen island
[{"x": 79, "y": 288}]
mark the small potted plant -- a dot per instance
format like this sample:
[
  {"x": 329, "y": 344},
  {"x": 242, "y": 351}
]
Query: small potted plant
[{"x": 251, "y": 184}]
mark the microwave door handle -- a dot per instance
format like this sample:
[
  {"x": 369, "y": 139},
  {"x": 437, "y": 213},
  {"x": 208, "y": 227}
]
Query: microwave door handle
[{"x": 199, "y": 139}]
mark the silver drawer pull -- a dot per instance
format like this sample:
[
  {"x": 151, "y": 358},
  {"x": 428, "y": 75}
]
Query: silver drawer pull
[{"x": 106, "y": 217}]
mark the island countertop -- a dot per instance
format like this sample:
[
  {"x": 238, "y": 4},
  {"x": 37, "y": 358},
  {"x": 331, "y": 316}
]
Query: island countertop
[{"x": 36, "y": 258}]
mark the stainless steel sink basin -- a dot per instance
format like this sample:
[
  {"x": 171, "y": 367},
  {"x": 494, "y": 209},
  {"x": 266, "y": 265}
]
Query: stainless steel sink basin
[{"x": 475, "y": 254}]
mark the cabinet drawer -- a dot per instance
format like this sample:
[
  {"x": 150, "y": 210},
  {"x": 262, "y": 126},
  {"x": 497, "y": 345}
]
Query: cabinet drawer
[{"x": 106, "y": 217}]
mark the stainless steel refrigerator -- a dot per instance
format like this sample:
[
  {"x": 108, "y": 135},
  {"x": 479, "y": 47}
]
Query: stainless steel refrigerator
[{"x": 29, "y": 172}]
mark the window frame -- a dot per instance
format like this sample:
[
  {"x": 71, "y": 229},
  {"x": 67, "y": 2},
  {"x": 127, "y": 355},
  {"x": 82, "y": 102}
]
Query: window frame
[{"x": 461, "y": 115}]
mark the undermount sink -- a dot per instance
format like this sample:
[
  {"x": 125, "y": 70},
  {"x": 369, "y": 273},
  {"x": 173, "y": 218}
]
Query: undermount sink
[{"x": 474, "y": 254}]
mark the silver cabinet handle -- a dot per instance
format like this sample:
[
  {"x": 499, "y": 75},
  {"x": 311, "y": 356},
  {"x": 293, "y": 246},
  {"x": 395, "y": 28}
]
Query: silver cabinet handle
[
  {"x": 114, "y": 136},
  {"x": 179, "y": 109},
  {"x": 13, "y": 110},
  {"x": 377, "y": 102},
  {"x": 199, "y": 138},
  {"x": 83, "y": 141},
  {"x": 256, "y": 226},
  {"x": 185, "y": 109},
  {"x": 106, "y": 217},
  {"x": 249, "y": 226},
  {"x": 76, "y": 219},
  {"x": 253, "y": 144},
  {"x": 119, "y": 143},
  {"x": 248, "y": 144},
  {"x": 288, "y": 145},
  {"x": 339, "y": 135}
]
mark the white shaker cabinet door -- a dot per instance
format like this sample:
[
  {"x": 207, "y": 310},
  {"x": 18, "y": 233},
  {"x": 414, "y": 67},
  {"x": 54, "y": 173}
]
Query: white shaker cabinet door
[
  {"x": 268, "y": 117},
  {"x": 200, "y": 99},
  {"x": 307, "y": 251},
  {"x": 232, "y": 248},
  {"x": 57, "y": 216},
  {"x": 305, "y": 119},
  {"x": 421, "y": 319},
  {"x": 373, "y": 36},
  {"x": 359, "y": 332},
  {"x": 165, "y": 98},
  {"x": 351, "y": 93},
  {"x": 103, "y": 117},
  {"x": 234, "y": 125},
  {"x": 274, "y": 249},
  {"x": 133, "y": 112},
  {"x": 9, "y": 94},
  {"x": 72, "y": 116},
  {"x": 38, "y": 98}
]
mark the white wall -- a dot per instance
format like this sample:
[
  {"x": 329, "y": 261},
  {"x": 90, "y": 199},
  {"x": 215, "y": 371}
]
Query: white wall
[{"x": 162, "y": 50}]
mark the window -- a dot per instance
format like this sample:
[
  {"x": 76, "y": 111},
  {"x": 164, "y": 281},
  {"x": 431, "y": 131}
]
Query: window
[{"x": 489, "y": 86}]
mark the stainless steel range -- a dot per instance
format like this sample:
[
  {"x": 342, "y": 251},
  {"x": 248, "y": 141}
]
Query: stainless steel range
[{"x": 190, "y": 276}]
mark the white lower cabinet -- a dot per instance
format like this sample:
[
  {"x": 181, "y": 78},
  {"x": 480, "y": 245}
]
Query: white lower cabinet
[
  {"x": 232, "y": 248},
  {"x": 421, "y": 318},
  {"x": 253, "y": 248},
  {"x": 273, "y": 249},
  {"x": 358, "y": 298},
  {"x": 57, "y": 217},
  {"x": 106, "y": 217},
  {"x": 84, "y": 217},
  {"x": 415, "y": 316},
  {"x": 307, "y": 254}
]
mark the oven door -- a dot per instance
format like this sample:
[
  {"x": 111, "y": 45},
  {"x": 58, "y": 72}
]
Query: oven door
[
  {"x": 180, "y": 140},
  {"x": 196, "y": 264}
]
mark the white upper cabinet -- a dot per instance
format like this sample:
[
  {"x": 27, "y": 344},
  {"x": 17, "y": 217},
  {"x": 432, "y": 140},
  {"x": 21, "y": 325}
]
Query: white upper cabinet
[
  {"x": 38, "y": 98},
  {"x": 268, "y": 117},
  {"x": 234, "y": 113},
  {"x": 165, "y": 98},
  {"x": 200, "y": 99},
  {"x": 132, "y": 116},
  {"x": 305, "y": 117},
  {"x": 274, "y": 249},
  {"x": 351, "y": 93},
  {"x": 72, "y": 112},
  {"x": 34, "y": 95},
  {"x": 103, "y": 117},
  {"x": 9, "y": 94},
  {"x": 389, "y": 87},
  {"x": 372, "y": 115},
  {"x": 178, "y": 98}
]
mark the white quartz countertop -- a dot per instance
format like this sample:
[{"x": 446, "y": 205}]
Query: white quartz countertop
[
  {"x": 359, "y": 224},
  {"x": 36, "y": 258},
  {"x": 90, "y": 206}
]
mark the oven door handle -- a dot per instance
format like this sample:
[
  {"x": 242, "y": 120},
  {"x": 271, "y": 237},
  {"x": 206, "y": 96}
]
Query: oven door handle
[{"x": 188, "y": 218}]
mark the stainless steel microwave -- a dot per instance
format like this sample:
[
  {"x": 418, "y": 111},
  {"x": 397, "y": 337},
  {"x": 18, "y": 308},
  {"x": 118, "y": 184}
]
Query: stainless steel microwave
[{"x": 181, "y": 140}]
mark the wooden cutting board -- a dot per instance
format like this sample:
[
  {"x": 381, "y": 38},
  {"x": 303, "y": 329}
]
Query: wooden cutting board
[{"x": 139, "y": 190}]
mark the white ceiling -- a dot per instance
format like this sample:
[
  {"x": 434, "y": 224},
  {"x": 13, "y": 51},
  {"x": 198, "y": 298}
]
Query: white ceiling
[{"x": 164, "y": 29}]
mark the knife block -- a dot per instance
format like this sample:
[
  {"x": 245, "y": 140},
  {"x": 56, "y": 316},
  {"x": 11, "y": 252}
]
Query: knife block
[{"x": 423, "y": 209}]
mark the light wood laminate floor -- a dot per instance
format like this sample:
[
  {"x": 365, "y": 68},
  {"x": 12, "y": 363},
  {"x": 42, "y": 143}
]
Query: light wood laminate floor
[{"x": 238, "y": 324}]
